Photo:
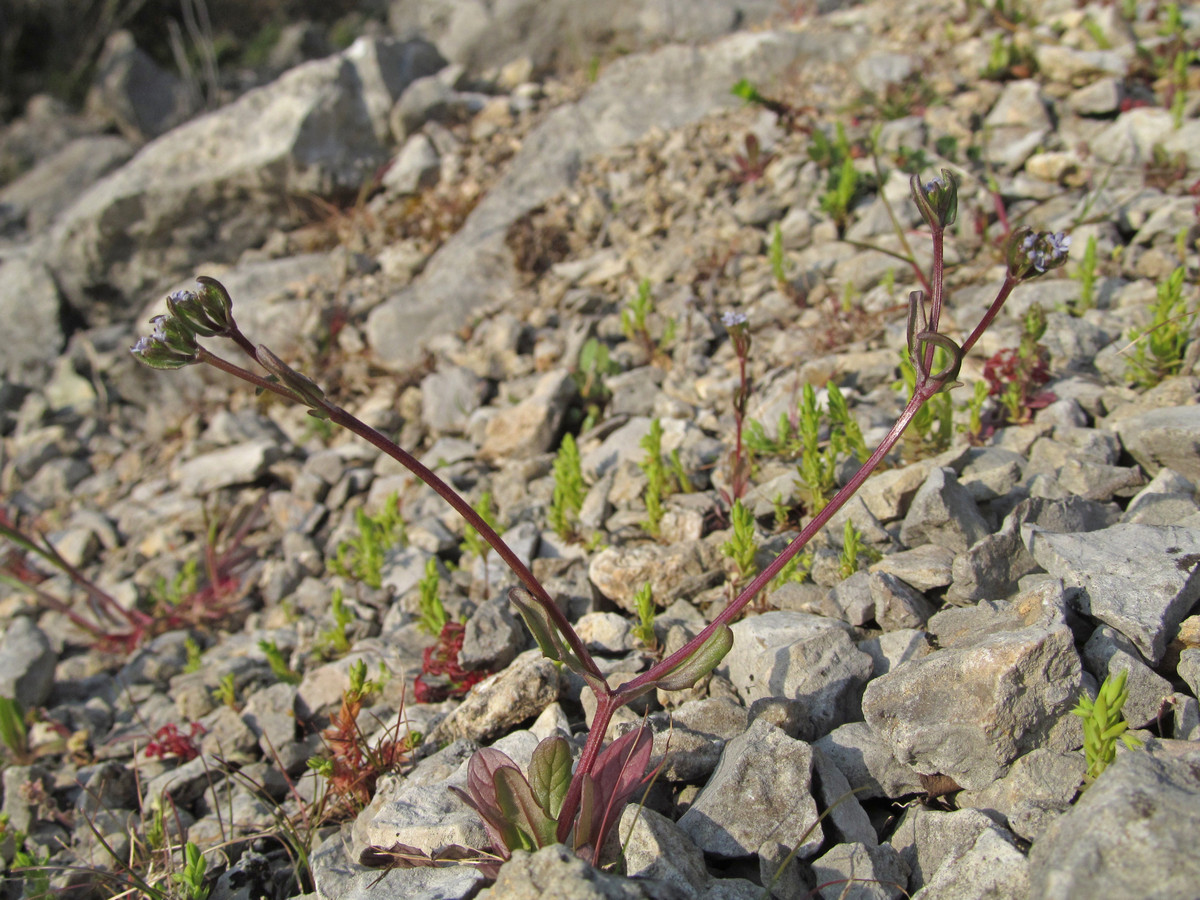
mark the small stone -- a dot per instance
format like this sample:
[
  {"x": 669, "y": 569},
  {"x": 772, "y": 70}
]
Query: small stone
[
  {"x": 762, "y": 787},
  {"x": 1168, "y": 437},
  {"x": 925, "y": 568},
  {"x": 867, "y": 762},
  {"x": 520, "y": 692},
  {"x": 414, "y": 168},
  {"x": 861, "y": 872},
  {"x": 895, "y": 647},
  {"x": 926, "y": 838},
  {"x": 943, "y": 513},
  {"x": 991, "y": 867},
  {"x": 607, "y": 633},
  {"x": 493, "y": 637},
  {"x": 1040, "y": 785},
  {"x": 240, "y": 464},
  {"x": 898, "y": 605},
  {"x": 27, "y": 663},
  {"x": 530, "y": 427}
]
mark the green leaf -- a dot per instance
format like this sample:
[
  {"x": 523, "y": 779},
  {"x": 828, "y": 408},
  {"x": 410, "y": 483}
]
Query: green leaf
[
  {"x": 700, "y": 663},
  {"x": 550, "y": 774},
  {"x": 515, "y": 799}
]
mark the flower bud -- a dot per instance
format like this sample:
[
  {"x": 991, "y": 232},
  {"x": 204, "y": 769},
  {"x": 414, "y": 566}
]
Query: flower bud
[
  {"x": 185, "y": 307},
  {"x": 216, "y": 302},
  {"x": 937, "y": 200}
]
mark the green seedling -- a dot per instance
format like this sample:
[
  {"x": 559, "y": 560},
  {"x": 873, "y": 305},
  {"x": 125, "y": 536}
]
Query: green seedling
[
  {"x": 777, "y": 260},
  {"x": 362, "y": 556},
  {"x": 569, "y": 489},
  {"x": 193, "y": 652},
  {"x": 974, "y": 407},
  {"x": 1159, "y": 349},
  {"x": 279, "y": 666},
  {"x": 662, "y": 477},
  {"x": 176, "y": 591},
  {"x": 841, "y": 194},
  {"x": 1103, "y": 725},
  {"x": 335, "y": 640},
  {"x": 643, "y": 631},
  {"x": 796, "y": 570},
  {"x": 933, "y": 427},
  {"x": 13, "y": 731},
  {"x": 855, "y": 554},
  {"x": 635, "y": 323},
  {"x": 432, "y": 616},
  {"x": 522, "y": 811},
  {"x": 594, "y": 366},
  {"x": 1085, "y": 273},
  {"x": 225, "y": 692},
  {"x": 191, "y": 879},
  {"x": 741, "y": 547}
]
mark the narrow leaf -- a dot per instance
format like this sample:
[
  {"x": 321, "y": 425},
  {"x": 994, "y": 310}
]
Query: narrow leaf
[
  {"x": 534, "y": 827},
  {"x": 700, "y": 663}
]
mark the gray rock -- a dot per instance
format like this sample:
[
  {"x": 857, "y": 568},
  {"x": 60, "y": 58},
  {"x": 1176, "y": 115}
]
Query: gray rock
[
  {"x": 943, "y": 513},
  {"x": 493, "y": 637},
  {"x": 1186, "y": 724},
  {"x": 533, "y": 425},
  {"x": 925, "y": 568},
  {"x": 505, "y": 699},
  {"x": 448, "y": 397},
  {"x": 688, "y": 741},
  {"x": 1044, "y": 605},
  {"x": 664, "y": 89},
  {"x": 560, "y": 33},
  {"x": 39, "y": 195},
  {"x": 867, "y": 762},
  {"x": 415, "y": 168},
  {"x": 1018, "y": 123},
  {"x": 802, "y": 657},
  {"x": 1147, "y": 803},
  {"x": 991, "y": 569},
  {"x": 607, "y": 633},
  {"x": 213, "y": 186},
  {"x": 1167, "y": 437},
  {"x": 26, "y": 663},
  {"x": 130, "y": 90},
  {"x": 1188, "y": 669},
  {"x": 850, "y": 600},
  {"x": 657, "y": 848},
  {"x": 992, "y": 867},
  {"x": 1140, "y": 579},
  {"x": 761, "y": 790},
  {"x": 270, "y": 715},
  {"x": 879, "y": 71},
  {"x": 29, "y": 305},
  {"x": 1108, "y": 653},
  {"x": 898, "y": 605},
  {"x": 555, "y": 871},
  {"x": 969, "y": 712},
  {"x": 1040, "y": 785},
  {"x": 889, "y": 650},
  {"x": 861, "y": 872},
  {"x": 926, "y": 838},
  {"x": 846, "y": 817},
  {"x": 223, "y": 468},
  {"x": 338, "y": 877},
  {"x": 619, "y": 572}
]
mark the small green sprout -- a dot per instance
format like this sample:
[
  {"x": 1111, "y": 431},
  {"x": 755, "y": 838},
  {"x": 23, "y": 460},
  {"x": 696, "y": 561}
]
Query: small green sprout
[
  {"x": 432, "y": 617},
  {"x": 279, "y": 666},
  {"x": 635, "y": 322},
  {"x": 795, "y": 569},
  {"x": 191, "y": 879},
  {"x": 933, "y": 426},
  {"x": 569, "y": 489},
  {"x": 594, "y": 366},
  {"x": 741, "y": 546},
  {"x": 193, "y": 653},
  {"x": 775, "y": 256},
  {"x": 361, "y": 557},
  {"x": 657, "y": 482},
  {"x": 854, "y": 552},
  {"x": 1160, "y": 348},
  {"x": 979, "y": 395},
  {"x": 12, "y": 729},
  {"x": 1086, "y": 275},
  {"x": 335, "y": 640},
  {"x": 1103, "y": 724},
  {"x": 643, "y": 631},
  {"x": 472, "y": 542},
  {"x": 840, "y": 195},
  {"x": 225, "y": 692}
]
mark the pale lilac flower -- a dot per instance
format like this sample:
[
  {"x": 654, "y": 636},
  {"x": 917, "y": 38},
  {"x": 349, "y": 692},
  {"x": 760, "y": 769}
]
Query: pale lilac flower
[{"x": 731, "y": 318}]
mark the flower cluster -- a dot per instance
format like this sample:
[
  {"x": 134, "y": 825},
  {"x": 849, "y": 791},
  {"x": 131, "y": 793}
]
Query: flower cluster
[
  {"x": 1035, "y": 253},
  {"x": 203, "y": 313}
]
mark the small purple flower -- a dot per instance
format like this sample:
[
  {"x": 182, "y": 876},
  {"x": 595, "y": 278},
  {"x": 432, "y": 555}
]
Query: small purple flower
[{"x": 732, "y": 318}]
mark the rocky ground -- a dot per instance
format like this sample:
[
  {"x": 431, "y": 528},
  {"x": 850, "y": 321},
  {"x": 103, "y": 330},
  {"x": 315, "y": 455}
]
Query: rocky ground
[{"x": 445, "y": 226}]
